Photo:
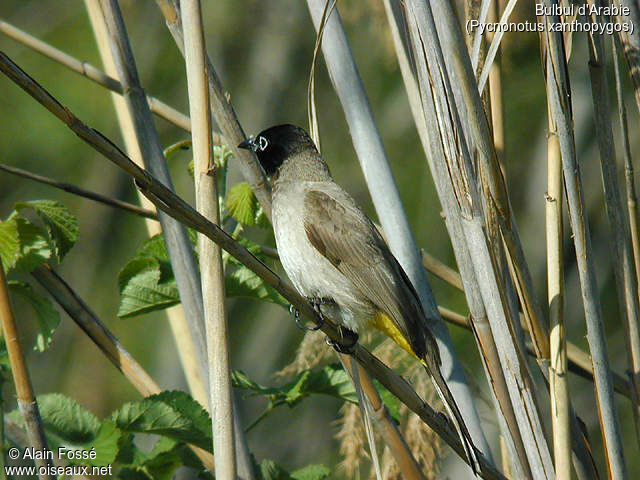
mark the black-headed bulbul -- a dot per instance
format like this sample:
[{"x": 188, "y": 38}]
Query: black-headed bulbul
[{"x": 335, "y": 256}]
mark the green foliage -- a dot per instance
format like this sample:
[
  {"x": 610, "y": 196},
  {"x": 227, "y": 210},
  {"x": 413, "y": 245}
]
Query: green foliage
[
  {"x": 144, "y": 288},
  {"x": 172, "y": 414},
  {"x": 311, "y": 472},
  {"x": 68, "y": 424},
  {"x": 270, "y": 470},
  {"x": 332, "y": 380},
  {"x": 244, "y": 207},
  {"x": 36, "y": 232},
  {"x": 147, "y": 283},
  {"x": 46, "y": 314},
  {"x": 161, "y": 462},
  {"x": 60, "y": 224}
]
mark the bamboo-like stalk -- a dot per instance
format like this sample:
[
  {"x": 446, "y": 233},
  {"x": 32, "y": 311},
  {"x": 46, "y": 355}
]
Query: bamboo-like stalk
[
  {"x": 92, "y": 73},
  {"x": 631, "y": 43},
  {"x": 15, "y": 434},
  {"x": 211, "y": 269},
  {"x": 579, "y": 361},
  {"x": 225, "y": 116},
  {"x": 178, "y": 245},
  {"x": 386, "y": 199},
  {"x": 383, "y": 421},
  {"x": 632, "y": 211},
  {"x": 81, "y": 192},
  {"x": 102, "y": 337},
  {"x": 24, "y": 391},
  {"x": 497, "y": 194},
  {"x": 175, "y": 315},
  {"x": 481, "y": 328},
  {"x": 87, "y": 320},
  {"x": 440, "y": 270},
  {"x": 495, "y": 90},
  {"x": 558, "y": 381},
  {"x": 559, "y": 94},
  {"x": 445, "y": 129},
  {"x": 623, "y": 266},
  {"x": 170, "y": 203}
]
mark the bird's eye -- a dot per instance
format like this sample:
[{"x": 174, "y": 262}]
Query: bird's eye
[{"x": 262, "y": 143}]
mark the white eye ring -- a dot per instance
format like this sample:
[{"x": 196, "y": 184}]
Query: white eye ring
[{"x": 262, "y": 143}]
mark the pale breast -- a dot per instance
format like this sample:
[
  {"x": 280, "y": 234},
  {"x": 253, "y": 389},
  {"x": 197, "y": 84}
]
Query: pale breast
[{"x": 309, "y": 271}]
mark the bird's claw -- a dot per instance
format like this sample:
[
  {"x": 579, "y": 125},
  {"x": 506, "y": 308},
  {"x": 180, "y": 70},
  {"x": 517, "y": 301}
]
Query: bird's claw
[
  {"x": 296, "y": 315},
  {"x": 344, "y": 348}
]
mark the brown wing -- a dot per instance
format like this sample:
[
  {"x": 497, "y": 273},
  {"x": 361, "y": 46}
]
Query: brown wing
[{"x": 341, "y": 232}]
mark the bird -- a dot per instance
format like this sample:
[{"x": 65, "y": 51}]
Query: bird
[{"x": 335, "y": 257}]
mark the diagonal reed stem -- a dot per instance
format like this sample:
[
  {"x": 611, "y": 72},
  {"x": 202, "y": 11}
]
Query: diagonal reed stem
[
  {"x": 92, "y": 73},
  {"x": 81, "y": 192}
]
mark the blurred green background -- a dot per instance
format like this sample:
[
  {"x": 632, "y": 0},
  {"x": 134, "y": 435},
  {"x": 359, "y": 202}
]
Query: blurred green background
[{"x": 262, "y": 51}]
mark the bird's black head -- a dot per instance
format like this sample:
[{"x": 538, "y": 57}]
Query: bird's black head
[{"x": 274, "y": 145}]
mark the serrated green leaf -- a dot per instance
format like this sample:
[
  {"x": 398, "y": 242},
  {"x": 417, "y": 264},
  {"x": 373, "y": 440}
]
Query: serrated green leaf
[
  {"x": 9, "y": 244},
  {"x": 242, "y": 203},
  {"x": 35, "y": 249},
  {"x": 23, "y": 245},
  {"x": 47, "y": 316},
  {"x": 67, "y": 419},
  {"x": 311, "y": 472},
  {"x": 172, "y": 414},
  {"x": 145, "y": 286},
  {"x": 68, "y": 424},
  {"x": 331, "y": 380},
  {"x": 242, "y": 282},
  {"x": 60, "y": 223},
  {"x": 160, "y": 464}
]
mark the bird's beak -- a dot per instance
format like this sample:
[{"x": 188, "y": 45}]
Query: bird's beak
[{"x": 249, "y": 144}]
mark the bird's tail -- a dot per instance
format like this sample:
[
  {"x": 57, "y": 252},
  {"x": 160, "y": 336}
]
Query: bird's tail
[{"x": 433, "y": 369}]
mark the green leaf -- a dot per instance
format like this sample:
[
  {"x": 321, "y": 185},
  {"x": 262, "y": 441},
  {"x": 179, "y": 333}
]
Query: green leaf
[
  {"x": 9, "y": 244},
  {"x": 331, "y": 380},
  {"x": 60, "y": 223},
  {"x": 67, "y": 419},
  {"x": 23, "y": 245},
  {"x": 161, "y": 462},
  {"x": 242, "y": 203},
  {"x": 172, "y": 414},
  {"x": 311, "y": 472},
  {"x": 242, "y": 282},
  {"x": 146, "y": 286},
  {"x": 46, "y": 314},
  {"x": 270, "y": 470},
  {"x": 69, "y": 424}
]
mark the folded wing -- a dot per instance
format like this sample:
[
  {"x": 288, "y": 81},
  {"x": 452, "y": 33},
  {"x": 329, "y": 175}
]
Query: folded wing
[{"x": 343, "y": 234}]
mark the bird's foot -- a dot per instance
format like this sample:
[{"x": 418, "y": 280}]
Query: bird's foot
[
  {"x": 348, "y": 346},
  {"x": 315, "y": 303}
]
